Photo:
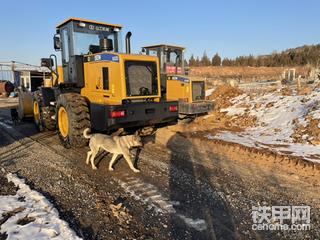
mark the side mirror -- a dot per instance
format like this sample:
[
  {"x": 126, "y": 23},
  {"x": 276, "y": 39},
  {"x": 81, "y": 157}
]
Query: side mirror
[
  {"x": 56, "y": 43},
  {"x": 47, "y": 62},
  {"x": 143, "y": 50}
]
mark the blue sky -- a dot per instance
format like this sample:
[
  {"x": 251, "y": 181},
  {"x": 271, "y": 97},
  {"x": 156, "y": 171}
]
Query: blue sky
[{"x": 229, "y": 27}]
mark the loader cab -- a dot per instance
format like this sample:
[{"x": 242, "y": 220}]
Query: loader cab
[
  {"x": 171, "y": 62},
  {"x": 170, "y": 56},
  {"x": 78, "y": 37}
]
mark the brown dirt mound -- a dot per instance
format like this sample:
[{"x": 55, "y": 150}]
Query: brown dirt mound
[
  {"x": 223, "y": 94},
  {"x": 223, "y": 121},
  {"x": 216, "y": 122},
  {"x": 305, "y": 90},
  {"x": 314, "y": 131},
  {"x": 226, "y": 91},
  {"x": 309, "y": 134},
  {"x": 286, "y": 91},
  {"x": 7, "y": 188}
]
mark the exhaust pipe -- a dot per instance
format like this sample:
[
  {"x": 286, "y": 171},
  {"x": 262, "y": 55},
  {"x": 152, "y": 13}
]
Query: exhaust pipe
[{"x": 128, "y": 45}]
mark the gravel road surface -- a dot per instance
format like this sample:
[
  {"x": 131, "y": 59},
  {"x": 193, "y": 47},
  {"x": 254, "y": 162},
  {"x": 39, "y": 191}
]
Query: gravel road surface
[{"x": 187, "y": 188}]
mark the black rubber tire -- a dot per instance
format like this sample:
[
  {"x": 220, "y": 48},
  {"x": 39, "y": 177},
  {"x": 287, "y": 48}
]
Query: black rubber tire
[
  {"x": 47, "y": 114},
  {"x": 46, "y": 121},
  {"x": 78, "y": 118}
]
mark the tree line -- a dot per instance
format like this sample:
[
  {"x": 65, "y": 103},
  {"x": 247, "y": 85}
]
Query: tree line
[{"x": 301, "y": 56}]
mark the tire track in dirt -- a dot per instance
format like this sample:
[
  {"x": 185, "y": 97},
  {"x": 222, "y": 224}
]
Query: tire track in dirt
[{"x": 151, "y": 196}]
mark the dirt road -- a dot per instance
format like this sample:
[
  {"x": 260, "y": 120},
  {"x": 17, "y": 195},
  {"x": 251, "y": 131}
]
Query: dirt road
[{"x": 187, "y": 188}]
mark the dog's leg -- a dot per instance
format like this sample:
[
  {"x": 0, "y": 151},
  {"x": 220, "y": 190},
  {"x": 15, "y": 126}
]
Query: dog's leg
[
  {"x": 88, "y": 157},
  {"x": 93, "y": 155},
  {"x": 113, "y": 159},
  {"x": 127, "y": 157}
]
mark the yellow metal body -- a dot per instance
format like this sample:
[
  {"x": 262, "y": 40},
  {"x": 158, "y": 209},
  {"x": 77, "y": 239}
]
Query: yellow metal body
[
  {"x": 93, "y": 78},
  {"x": 25, "y": 107},
  {"x": 178, "y": 90},
  {"x": 36, "y": 112},
  {"x": 54, "y": 80},
  {"x": 179, "y": 87},
  {"x": 60, "y": 73}
]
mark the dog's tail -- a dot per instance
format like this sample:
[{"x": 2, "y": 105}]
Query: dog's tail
[{"x": 86, "y": 133}]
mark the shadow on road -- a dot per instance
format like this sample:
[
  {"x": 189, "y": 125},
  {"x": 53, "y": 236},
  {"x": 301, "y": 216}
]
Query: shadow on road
[
  {"x": 200, "y": 213},
  {"x": 10, "y": 132}
]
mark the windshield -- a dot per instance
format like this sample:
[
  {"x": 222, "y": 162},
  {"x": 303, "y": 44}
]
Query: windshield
[
  {"x": 152, "y": 52},
  {"x": 174, "y": 57},
  {"x": 171, "y": 59},
  {"x": 83, "y": 41}
]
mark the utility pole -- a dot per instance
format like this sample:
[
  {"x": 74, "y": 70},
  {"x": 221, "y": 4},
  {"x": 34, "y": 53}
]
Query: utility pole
[{"x": 13, "y": 69}]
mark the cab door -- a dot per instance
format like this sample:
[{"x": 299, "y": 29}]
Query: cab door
[{"x": 65, "y": 52}]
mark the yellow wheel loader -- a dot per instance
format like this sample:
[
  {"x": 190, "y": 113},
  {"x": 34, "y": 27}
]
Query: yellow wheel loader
[
  {"x": 99, "y": 86},
  {"x": 175, "y": 84}
]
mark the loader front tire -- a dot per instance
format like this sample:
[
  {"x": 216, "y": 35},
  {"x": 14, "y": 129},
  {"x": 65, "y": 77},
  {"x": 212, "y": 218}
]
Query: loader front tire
[{"x": 72, "y": 118}]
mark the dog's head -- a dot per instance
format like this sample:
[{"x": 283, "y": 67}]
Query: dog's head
[{"x": 136, "y": 140}]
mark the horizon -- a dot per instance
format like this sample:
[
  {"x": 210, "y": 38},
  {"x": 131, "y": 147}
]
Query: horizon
[{"x": 230, "y": 29}]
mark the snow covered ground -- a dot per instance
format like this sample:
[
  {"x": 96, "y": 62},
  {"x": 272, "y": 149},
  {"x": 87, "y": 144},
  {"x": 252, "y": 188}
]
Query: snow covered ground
[
  {"x": 209, "y": 91},
  {"x": 34, "y": 218},
  {"x": 277, "y": 117}
]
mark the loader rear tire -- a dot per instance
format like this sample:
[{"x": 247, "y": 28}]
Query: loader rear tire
[{"x": 72, "y": 118}]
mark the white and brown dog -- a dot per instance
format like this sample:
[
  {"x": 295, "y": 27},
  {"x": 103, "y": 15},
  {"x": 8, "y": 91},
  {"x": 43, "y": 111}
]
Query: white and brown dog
[{"x": 118, "y": 145}]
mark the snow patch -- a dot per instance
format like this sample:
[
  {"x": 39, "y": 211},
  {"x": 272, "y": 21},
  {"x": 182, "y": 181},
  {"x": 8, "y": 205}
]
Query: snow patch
[
  {"x": 198, "y": 224},
  {"x": 5, "y": 125},
  {"x": 316, "y": 114},
  {"x": 209, "y": 91},
  {"x": 275, "y": 115},
  {"x": 45, "y": 223},
  {"x": 234, "y": 111}
]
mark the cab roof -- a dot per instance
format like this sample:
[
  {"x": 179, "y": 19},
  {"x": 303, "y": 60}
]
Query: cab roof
[
  {"x": 165, "y": 45},
  {"x": 88, "y": 21}
]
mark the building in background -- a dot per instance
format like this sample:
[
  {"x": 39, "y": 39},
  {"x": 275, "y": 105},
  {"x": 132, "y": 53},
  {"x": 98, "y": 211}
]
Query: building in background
[{"x": 21, "y": 74}]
